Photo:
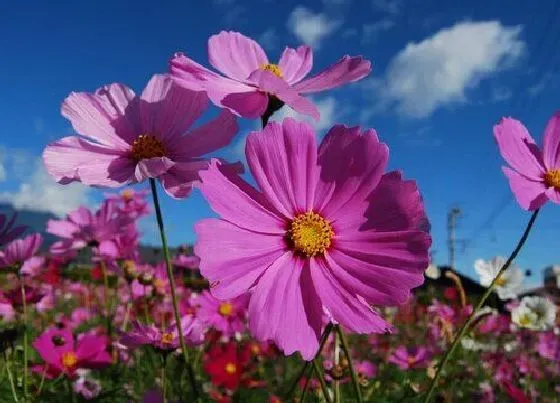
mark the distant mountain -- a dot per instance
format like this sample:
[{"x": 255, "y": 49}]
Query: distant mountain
[{"x": 36, "y": 221}]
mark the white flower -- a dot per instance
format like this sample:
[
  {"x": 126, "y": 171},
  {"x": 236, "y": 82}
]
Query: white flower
[
  {"x": 535, "y": 313},
  {"x": 508, "y": 285}
]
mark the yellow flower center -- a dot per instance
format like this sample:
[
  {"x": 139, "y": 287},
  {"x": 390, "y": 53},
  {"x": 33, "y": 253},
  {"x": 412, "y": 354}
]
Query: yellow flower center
[
  {"x": 225, "y": 309},
  {"x": 167, "y": 338},
  {"x": 501, "y": 281},
  {"x": 69, "y": 359},
  {"x": 127, "y": 194},
  {"x": 310, "y": 234},
  {"x": 525, "y": 320},
  {"x": 158, "y": 283},
  {"x": 273, "y": 68},
  {"x": 147, "y": 146},
  {"x": 411, "y": 360},
  {"x": 231, "y": 368},
  {"x": 552, "y": 178}
]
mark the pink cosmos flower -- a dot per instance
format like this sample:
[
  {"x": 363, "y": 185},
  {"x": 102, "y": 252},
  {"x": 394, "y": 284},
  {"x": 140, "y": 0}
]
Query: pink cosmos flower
[
  {"x": 253, "y": 84},
  {"x": 534, "y": 176},
  {"x": 495, "y": 323},
  {"x": 227, "y": 316},
  {"x": 129, "y": 138},
  {"x": 366, "y": 369},
  {"x": 131, "y": 202},
  {"x": 186, "y": 262},
  {"x": 548, "y": 346},
  {"x": 20, "y": 254},
  {"x": 7, "y": 231},
  {"x": 410, "y": 358},
  {"x": 82, "y": 228},
  {"x": 328, "y": 230},
  {"x": 87, "y": 387},
  {"x": 163, "y": 339},
  {"x": 64, "y": 356}
]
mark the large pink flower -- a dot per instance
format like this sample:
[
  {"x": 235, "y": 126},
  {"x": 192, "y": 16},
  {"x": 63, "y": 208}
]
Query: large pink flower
[
  {"x": 534, "y": 176},
  {"x": 20, "y": 255},
  {"x": 251, "y": 78},
  {"x": 328, "y": 230},
  {"x": 227, "y": 316},
  {"x": 128, "y": 138}
]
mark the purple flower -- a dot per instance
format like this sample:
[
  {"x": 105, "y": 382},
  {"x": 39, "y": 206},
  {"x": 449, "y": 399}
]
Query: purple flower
[
  {"x": 549, "y": 346},
  {"x": 227, "y": 316},
  {"x": 20, "y": 255},
  {"x": 129, "y": 138},
  {"x": 410, "y": 358},
  {"x": 534, "y": 176},
  {"x": 251, "y": 79},
  {"x": 87, "y": 387},
  {"x": 166, "y": 339},
  {"x": 187, "y": 262},
  {"x": 7, "y": 231}
]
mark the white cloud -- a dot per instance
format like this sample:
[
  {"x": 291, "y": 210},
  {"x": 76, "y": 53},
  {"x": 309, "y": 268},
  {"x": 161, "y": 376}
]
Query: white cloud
[
  {"x": 311, "y": 28},
  {"x": 500, "y": 94},
  {"x": 268, "y": 39},
  {"x": 39, "y": 192},
  {"x": 544, "y": 82},
  {"x": 371, "y": 31},
  {"x": 438, "y": 70},
  {"x": 387, "y": 6}
]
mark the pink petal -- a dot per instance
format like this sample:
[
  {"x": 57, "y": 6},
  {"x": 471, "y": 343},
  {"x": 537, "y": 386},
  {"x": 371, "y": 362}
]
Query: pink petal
[
  {"x": 73, "y": 158},
  {"x": 284, "y": 307},
  {"x": 237, "y": 202},
  {"x": 346, "y": 70},
  {"x": 551, "y": 146},
  {"x": 32, "y": 266},
  {"x": 296, "y": 63},
  {"x": 282, "y": 159},
  {"x": 351, "y": 165},
  {"x": 235, "y": 55},
  {"x": 169, "y": 109},
  {"x": 207, "y": 138},
  {"x": 179, "y": 180},
  {"x": 232, "y": 258},
  {"x": 530, "y": 194},
  {"x": 249, "y": 105},
  {"x": 344, "y": 306},
  {"x": 518, "y": 148},
  {"x": 273, "y": 85},
  {"x": 108, "y": 116},
  {"x": 553, "y": 195},
  {"x": 152, "y": 168},
  {"x": 90, "y": 345}
]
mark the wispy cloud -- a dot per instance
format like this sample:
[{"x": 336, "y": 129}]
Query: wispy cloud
[
  {"x": 371, "y": 31},
  {"x": 268, "y": 39},
  {"x": 311, "y": 28},
  {"x": 388, "y": 6}
]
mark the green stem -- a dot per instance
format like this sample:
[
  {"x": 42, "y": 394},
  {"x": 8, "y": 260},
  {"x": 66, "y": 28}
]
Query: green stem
[
  {"x": 10, "y": 377},
  {"x": 163, "y": 386},
  {"x": 336, "y": 383},
  {"x": 481, "y": 302},
  {"x": 109, "y": 323},
  {"x": 324, "y": 338},
  {"x": 169, "y": 268},
  {"x": 24, "y": 319},
  {"x": 321, "y": 377},
  {"x": 346, "y": 349},
  {"x": 43, "y": 376}
]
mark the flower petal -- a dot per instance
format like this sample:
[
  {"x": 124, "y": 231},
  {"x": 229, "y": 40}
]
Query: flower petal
[
  {"x": 518, "y": 148},
  {"x": 179, "y": 180},
  {"x": 284, "y": 307},
  {"x": 152, "y": 168},
  {"x": 296, "y": 63},
  {"x": 282, "y": 159},
  {"x": 235, "y": 55},
  {"x": 346, "y": 70},
  {"x": 551, "y": 143},
  {"x": 108, "y": 116},
  {"x": 530, "y": 194},
  {"x": 232, "y": 258},
  {"x": 345, "y": 307},
  {"x": 167, "y": 109}
]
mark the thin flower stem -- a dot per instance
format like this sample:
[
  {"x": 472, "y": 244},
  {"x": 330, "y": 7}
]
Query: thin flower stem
[
  {"x": 43, "y": 376},
  {"x": 481, "y": 302},
  {"x": 163, "y": 387},
  {"x": 321, "y": 377},
  {"x": 346, "y": 349},
  {"x": 109, "y": 323},
  {"x": 336, "y": 385},
  {"x": 324, "y": 339},
  {"x": 159, "y": 219},
  {"x": 24, "y": 319},
  {"x": 10, "y": 377}
]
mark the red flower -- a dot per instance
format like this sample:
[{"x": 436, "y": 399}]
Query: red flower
[{"x": 226, "y": 366}]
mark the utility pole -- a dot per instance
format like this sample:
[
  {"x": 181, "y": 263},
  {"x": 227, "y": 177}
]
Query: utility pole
[{"x": 452, "y": 216}]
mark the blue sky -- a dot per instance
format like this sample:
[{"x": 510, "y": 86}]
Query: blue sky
[{"x": 444, "y": 73}]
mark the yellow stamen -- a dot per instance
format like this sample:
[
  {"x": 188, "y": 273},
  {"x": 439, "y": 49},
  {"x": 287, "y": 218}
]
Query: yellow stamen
[
  {"x": 231, "y": 368},
  {"x": 158, "y": 283},
  {"x": 552, "y": 178},
  {"x": 127, "y": 194},
  {"x": 273, "y": 68},
  {"x": 167, "y": 338},
  {"x": 225, "y": 309},
  {"x": 411, "y": 360},
  {"x": 69, "y": 359},
  {"x": 525, "y": 320},
  {"x": 147, "y": 146},
  {"x": 310, "y": 234}
]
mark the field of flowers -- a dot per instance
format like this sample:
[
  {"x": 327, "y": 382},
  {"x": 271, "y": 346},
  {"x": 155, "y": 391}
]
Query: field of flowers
[{"x": 307, "y": 287}]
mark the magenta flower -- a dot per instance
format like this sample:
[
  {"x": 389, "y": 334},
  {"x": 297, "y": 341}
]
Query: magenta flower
[
  {"x": 163, "y": 339},
  {"x": 327, "y": 231},
  {"x": 410, "y": 358},
  {"x": 186, "y": 262},
  {"x": 135, "y": 138},
  {"x": 366, "y": 369},
  {"x": 534, "y": 176},
  {"x": 20, "y": 255},
  {"x": 548, "y": 346},
  {"x": 7, "y": 231},
  {"x": 227, "y": 316},
  {"x": 83, "y": 227},
  {"x": 252, "y": 82},
  {"x": 131, "y": 202},
  {"x": 64, "y": 356}
]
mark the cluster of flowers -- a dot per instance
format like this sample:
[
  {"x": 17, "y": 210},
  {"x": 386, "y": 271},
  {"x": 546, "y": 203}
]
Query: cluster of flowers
[{"x": 320, "y": 247}]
